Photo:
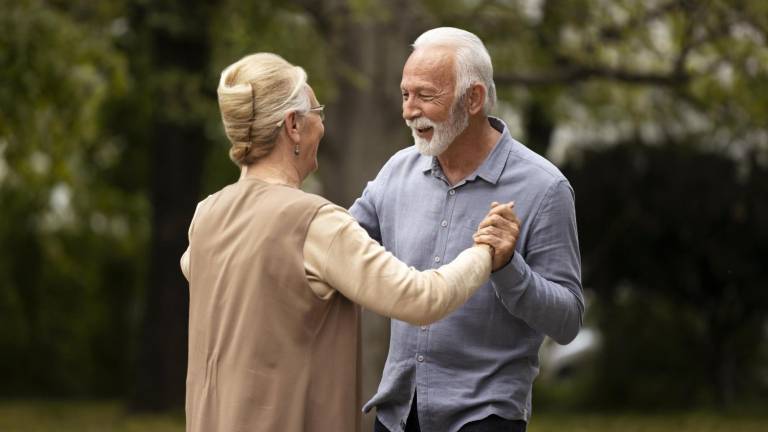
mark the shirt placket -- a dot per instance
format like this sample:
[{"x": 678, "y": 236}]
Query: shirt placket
[{"x": 422, "y": 348}]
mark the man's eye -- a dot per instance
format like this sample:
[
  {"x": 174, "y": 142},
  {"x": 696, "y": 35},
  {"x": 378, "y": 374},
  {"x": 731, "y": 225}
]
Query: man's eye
[{"x": 426, "y": 97}]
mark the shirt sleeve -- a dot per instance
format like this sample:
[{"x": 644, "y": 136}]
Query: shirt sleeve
[
  {"x": 542, "y": 286},
  {"x": 185, "y": 264},
  {"x": 340, "y": 256},
  {"x": 185, "y": 261},
  {"x": 364, "y": 209}
]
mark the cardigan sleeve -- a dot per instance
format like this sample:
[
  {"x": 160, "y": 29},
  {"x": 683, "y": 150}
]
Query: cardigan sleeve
[
  {"x": 184, "y": 262},
  {"x": 340, "y": 257}
]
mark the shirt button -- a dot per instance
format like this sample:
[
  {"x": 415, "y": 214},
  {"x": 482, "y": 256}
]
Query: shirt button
[
  {"x": 437, "y": 259},
  {"x": 451, "y": 192},
  {"x": 444, "y": 224},
  {"x": 420, "y": 358}
]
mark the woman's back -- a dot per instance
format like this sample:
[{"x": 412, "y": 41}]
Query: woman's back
[{"x": 247, "y": 278}]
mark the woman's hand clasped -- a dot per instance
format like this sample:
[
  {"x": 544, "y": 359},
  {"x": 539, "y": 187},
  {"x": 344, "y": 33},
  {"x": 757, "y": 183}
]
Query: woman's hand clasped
[{"x": 499, "y": 230}]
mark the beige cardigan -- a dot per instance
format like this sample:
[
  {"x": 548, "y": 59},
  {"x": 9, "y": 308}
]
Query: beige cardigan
[
  {"x": 339, "y": 256},
  {"x": 250, "y": 305}
]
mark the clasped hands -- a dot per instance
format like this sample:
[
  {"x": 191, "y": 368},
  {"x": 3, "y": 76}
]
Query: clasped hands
[{"x": 499, "y": 230}]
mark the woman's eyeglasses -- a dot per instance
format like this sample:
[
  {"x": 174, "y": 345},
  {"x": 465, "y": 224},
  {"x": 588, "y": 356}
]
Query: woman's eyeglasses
[{"x": 320, "y": 110}]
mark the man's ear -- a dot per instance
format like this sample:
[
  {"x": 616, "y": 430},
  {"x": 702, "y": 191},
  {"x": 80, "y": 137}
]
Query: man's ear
[
  {"x": 292, "y": 126},
  {"x": 477, "y": 94}
]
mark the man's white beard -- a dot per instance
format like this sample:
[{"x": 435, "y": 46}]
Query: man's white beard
[{"x": 443, "y": 133}]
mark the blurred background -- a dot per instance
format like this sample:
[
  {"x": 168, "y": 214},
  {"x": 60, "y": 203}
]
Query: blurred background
[{"x": 655, "y": 110}]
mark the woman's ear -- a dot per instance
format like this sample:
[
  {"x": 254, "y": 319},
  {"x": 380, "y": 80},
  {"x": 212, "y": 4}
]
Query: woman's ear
[
  {"x": 292, "y": 126},
  {"x": 477, "y": 95}
]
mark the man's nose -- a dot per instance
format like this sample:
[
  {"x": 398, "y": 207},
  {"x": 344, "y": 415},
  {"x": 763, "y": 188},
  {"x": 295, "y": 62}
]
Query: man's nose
[{"x": 411, "y": 109}]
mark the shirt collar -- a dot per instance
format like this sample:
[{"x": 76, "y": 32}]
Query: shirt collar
[
  {"x": 427, "y": 163},
  {"x": 490, "y": 170}
]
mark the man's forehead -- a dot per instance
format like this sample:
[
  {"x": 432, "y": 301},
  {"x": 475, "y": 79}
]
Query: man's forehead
[
  {"x": 429, "y": 66},
  {"x": 422, "y": 83}
]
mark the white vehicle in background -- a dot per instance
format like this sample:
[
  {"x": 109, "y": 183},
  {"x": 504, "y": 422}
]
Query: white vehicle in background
[{"x": 559, "y": 362}]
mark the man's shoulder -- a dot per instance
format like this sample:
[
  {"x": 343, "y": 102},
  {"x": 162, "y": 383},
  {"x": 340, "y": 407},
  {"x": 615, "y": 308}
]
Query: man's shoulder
[
  {"x": 403, "y": 162},
  {"x": 537, "y": 169},
  {"x": 405, "y": 156}
]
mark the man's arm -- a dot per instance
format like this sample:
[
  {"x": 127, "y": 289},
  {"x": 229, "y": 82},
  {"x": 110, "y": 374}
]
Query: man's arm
[
  {"x": 365, "y": 211},
  {"x": 543, "y": 287}
]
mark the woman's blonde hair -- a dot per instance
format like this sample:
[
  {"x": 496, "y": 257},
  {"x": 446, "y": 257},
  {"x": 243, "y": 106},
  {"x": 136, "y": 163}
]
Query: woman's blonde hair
[{"x": 255, "y": 93}]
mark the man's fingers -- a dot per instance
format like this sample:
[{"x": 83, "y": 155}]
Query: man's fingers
[
  {"x": 499, "y": 229},
  {"x": 506, "y": 210},
  {"x": 502, "y": 249},
  {"x": 490, "y": 230},
  {"x": 498, "y": 221},
  {"x": 496, "y": 203},
  {"x": 490, "y": 235},
  {"x": 482, "y": 240},
  {"x": 492, "y": 220},
  {"x": 490, "y": 240}
]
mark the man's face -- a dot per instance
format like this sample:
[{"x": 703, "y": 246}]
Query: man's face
[{"x": 429, "y": 108}]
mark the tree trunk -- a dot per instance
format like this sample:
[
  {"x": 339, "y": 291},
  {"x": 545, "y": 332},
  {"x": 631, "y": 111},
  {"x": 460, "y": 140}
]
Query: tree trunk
[
  {"x": 176, "y": 60},
  {"x": 539, "y": 128},
  {"x": 177, "y": 158},
  {"x": 722, "y": 362},
  {"x": 365, "y": 128}
]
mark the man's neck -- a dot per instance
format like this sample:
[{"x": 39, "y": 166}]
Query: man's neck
[{"x": 469, "y": 150}]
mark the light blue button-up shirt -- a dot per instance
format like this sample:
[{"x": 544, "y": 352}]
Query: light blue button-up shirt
[{"x": 483, "y": 358}]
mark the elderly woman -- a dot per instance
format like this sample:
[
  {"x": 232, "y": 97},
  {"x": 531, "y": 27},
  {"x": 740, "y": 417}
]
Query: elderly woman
[{"x": 276, "y": 274}]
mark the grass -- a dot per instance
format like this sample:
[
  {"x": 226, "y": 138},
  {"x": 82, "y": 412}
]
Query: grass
[
  {"x": 37, "y": 416},
  {"x": 638, "y": 422},
  {"x": 50, "y": 416}
]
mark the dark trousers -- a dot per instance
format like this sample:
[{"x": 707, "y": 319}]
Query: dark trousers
[{"x": 492, "y": 423}]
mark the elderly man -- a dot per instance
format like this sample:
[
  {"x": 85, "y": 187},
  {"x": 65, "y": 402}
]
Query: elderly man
[{"x": 474, "y": 370}]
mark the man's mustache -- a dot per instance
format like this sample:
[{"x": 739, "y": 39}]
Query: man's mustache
[{"x": 420, "y": 123}]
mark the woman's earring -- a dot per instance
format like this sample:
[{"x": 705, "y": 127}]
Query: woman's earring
[{"x": 296, "y": 150}]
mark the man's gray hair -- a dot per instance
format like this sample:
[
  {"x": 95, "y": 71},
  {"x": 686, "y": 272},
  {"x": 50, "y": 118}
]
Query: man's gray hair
[{"x": 473, "y": 63}]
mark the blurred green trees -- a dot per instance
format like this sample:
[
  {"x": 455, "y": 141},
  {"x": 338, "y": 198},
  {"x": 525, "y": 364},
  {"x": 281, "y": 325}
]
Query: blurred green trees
[
  {"x": 109, "y": 134},
  {"x": 72, "y": 239},
  {"x": 674, "y": 244},
  {"x": 170, "y": 51}
]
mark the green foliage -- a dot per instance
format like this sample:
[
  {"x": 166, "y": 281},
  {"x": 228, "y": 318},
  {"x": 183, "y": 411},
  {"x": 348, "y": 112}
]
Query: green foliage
[
  {"x": 73, "y": 243},
  {"x": 604, "y": 71},
  {"x": 672, "y": 235},
  {"x": 673, "y": 241}
]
